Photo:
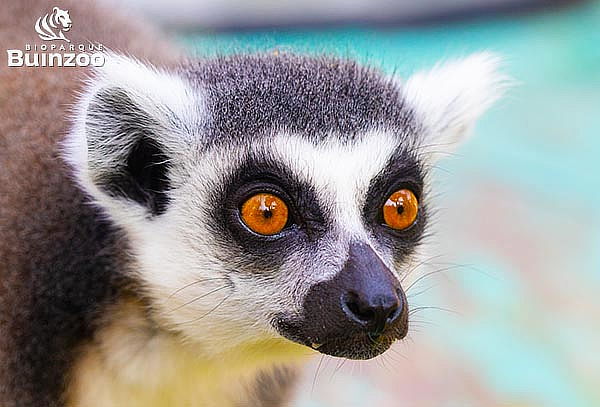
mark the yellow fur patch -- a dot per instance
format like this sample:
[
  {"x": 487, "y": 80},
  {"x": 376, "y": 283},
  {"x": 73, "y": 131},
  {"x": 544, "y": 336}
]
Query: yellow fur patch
[{"x": 130, "y": 363}]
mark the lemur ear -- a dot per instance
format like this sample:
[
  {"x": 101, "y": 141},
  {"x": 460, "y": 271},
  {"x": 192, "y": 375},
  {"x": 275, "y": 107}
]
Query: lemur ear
[
  {"x": 449, "y": 98},
  {"x": 130, "y": 123}
]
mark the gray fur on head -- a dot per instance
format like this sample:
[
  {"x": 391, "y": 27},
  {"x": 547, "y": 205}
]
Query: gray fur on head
[{"x": 251, "y": 96}]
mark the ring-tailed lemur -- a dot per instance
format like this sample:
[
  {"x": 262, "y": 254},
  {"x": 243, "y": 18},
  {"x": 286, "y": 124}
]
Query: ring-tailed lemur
[{"x": 215, "y": 221}]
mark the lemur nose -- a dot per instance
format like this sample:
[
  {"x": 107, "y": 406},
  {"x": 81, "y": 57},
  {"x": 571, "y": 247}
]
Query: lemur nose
[
  {"x": 373, "y": 312},
  {"x": 371, "y": 296}
]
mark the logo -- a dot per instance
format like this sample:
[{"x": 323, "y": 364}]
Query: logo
[{"x": 53, "y": 26}]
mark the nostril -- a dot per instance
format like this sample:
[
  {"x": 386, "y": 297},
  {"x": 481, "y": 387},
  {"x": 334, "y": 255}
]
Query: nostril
[
  {"x": 394, "y": 312},
  {"x": 396, "y": 308},
  {"x": 374, "y": 313},
  {"x": 358, "y": 310}
]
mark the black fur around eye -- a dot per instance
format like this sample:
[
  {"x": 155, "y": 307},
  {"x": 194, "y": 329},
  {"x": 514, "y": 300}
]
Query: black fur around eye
[
  {"x": 306, "y": 220},
  {"x": 402, "y": 172}
]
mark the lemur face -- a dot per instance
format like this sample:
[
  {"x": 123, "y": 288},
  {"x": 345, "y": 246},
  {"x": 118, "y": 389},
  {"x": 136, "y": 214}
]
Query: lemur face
[
  {"x": 302, "y": 228},
  {"x": 273, "y": 199}
]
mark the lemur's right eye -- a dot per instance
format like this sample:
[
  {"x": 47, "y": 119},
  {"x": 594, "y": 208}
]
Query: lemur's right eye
[{"x": 265, "y": 214}]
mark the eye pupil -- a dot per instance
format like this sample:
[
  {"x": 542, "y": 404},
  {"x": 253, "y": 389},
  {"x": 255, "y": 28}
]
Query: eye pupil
[
  {"x": 267, "y": 214},
  {"x": 400, "y": 209}
]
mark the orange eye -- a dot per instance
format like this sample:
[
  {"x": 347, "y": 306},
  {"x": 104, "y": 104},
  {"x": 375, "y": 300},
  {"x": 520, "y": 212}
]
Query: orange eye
[
  {"x": 265, "y": 214},
  {"x": 400, "y": 210}
]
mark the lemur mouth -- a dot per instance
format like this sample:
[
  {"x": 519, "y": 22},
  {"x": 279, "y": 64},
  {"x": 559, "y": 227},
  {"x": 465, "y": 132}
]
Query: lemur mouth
[{"x": 359, "y": 346}]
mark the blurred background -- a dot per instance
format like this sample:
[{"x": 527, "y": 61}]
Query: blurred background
[{"x": 512, "y": 297}]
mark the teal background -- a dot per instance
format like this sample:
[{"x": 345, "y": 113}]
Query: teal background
[{"x": 519, "y": 224}]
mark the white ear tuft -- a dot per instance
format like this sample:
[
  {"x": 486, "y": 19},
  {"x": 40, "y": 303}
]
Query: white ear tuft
[
  {"x": 154, "y": 91},
  {"x": 146, "y": 82},
  {"x": 449, "y": 98}
]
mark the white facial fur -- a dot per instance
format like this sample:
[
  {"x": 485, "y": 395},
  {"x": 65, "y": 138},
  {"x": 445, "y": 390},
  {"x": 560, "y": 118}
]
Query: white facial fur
[{"x": 190, "y": 279}]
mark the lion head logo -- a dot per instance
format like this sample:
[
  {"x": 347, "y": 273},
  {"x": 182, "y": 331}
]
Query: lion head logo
[{"x": 53, "y": 26}]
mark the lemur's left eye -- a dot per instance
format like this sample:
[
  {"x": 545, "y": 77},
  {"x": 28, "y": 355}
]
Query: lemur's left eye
[
  {"x": 265, "y": 214},
  {"x": 401, "y": 209}
]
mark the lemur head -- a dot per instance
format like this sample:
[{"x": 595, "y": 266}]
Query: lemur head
[{"x": 274, "y": 196}]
